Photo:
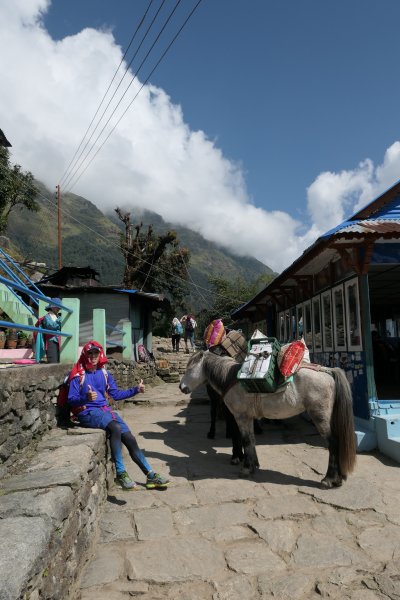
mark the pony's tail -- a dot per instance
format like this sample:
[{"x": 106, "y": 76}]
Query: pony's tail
[{"x": 342, "y": 423}]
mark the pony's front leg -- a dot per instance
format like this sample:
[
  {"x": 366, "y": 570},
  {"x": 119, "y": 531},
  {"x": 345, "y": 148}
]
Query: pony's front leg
[{"x": 250, "y": 461}]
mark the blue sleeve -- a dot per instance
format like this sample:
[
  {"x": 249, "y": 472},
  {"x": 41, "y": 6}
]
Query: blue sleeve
[
  {"x": 48, "y": 323},
  {"x": 74, "y": 393},
  {"x": 116, "y": 393}
]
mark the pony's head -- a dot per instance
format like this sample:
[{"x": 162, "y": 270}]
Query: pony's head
[{"x": 194, "y": 375}]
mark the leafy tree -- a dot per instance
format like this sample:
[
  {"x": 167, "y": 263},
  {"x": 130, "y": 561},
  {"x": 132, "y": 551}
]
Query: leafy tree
[
  {"x": 16, "y": 189},
  {"x": 227, "y": 295},
  {"x": 155, "y": 263}
]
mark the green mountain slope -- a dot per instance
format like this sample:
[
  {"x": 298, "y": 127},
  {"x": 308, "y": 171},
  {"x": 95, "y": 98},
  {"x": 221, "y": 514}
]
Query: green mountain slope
[{"x": 90, "y": 237}]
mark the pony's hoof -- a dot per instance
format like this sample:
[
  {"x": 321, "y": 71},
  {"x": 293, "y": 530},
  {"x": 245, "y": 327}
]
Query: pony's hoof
[
  {"x": 328, "y": 484},
  {"x": 211, "y": 435},
  {"x": 258, "y": 430},
  {"x": 235, "y": 460},
  {"x": 244, "y": 473}
]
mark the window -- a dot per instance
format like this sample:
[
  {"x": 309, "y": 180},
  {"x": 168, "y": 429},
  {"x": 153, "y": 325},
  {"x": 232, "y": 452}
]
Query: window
[
  {"x": 293, "y": 325},
  {"x": 281, "y": 326},
  {"x": 288, "y": 328},
  {"x": 338, "y": 318},
  {"x": 327, "y": 321},
  {"x": 299, "y": 312},
  {"x": 316, "y": 311},
  {"x": 353, "y": 314},
  {"x": 307, "y": 324}
]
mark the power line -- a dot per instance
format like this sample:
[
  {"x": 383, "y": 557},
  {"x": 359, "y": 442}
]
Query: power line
[
  {"x": 205, "y": 300},
  {"x": 71, "y": 176},
  {"x": 107, "y": 90},
  {"x": 136, "y": 95},
  {"x": 76, "y": 168}
]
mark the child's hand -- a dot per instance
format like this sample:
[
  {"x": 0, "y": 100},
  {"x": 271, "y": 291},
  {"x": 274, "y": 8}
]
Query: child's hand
[
  {"x": 91, "y": 395},
  {"x": 141, "y": 386}
]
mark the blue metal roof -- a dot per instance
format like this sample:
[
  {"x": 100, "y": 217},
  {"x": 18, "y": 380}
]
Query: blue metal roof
[
  {"x": 159, "y": 297},
  {"x": 388, "y": 212}
]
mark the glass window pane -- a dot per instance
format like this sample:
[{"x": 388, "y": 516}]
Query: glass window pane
[
  {"x": 327, "y": 321},
  {"x": 299, "y": 311},
  {"x": 293, "y": 324},
  {"x": 281, "y": 326},
  {"x": 287, "y": 326},
  {"x": 338, "y": 308},
  {"x": 307, "y": 324},
  {"x": 317, "y": 324},
  {"x": 353, "y": 311}
]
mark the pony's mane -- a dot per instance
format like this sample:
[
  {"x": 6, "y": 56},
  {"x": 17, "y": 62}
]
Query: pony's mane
[{"x": 220, "y": 371}]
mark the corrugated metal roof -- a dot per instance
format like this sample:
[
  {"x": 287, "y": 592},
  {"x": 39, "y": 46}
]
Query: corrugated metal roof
[
  {"x": 388, "y": 213},
  {"x": 391, "y": 210},
  {"x": 385, "y": 227}
]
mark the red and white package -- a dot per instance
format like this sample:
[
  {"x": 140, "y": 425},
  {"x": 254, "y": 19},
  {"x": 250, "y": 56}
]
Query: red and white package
[{"x": 290, "y": 357}]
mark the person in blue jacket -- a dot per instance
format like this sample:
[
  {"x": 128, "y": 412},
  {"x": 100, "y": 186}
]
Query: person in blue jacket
[
  {"x": 50, "y": 344},
  {"x": 90, "y": 385}
]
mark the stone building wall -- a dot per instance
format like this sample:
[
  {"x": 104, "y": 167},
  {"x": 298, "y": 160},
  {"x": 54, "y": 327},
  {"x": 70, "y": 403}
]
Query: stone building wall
[{"x": 28, "y": 397}]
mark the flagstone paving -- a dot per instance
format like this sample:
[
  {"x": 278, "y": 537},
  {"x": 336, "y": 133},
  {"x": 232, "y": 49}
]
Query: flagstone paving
[{"x": 214, "y": 536}]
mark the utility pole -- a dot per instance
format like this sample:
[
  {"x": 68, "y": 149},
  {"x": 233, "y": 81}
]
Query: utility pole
[{"x": 59, "y": 226}]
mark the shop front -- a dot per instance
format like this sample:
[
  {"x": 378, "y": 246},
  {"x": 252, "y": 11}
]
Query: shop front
[{"x": 343, "y": 297}]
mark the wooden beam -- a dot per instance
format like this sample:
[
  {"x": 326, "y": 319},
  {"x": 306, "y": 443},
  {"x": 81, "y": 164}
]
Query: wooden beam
[
  {"x": 305, "y": 283},
  {"x": 275, "y": 299}
]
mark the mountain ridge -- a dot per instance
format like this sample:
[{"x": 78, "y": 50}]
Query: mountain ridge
[{"x": 91, "y": 237}]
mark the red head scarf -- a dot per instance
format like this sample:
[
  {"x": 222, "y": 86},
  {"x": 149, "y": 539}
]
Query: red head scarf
[{"x": 84, "y": 363}]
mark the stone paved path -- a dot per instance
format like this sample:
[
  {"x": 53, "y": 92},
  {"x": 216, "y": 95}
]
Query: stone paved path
[{"x": 212, "y": 536}]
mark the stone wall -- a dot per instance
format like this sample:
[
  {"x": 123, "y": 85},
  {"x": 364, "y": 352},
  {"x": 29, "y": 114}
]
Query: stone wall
[
  {"x": 128, "y": 373},
  {"x": 27, "y": 407},
  {"x": 53, "y": 482},
  {"x": 49, "y": 513}
]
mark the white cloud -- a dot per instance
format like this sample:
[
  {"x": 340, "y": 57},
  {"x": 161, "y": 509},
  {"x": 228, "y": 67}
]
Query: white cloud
[
  {"x": 50, "y": 91},
  {"x": 333, "y": 197}
]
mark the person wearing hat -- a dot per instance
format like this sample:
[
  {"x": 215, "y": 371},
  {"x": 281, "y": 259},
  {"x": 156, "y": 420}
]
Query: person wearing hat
[
  {"x": 52, "y": 321},
  {"x": 90, "y": 386}
]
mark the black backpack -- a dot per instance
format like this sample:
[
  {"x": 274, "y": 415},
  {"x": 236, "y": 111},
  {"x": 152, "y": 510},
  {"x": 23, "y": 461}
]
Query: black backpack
[{"x": 189, "y": 325}]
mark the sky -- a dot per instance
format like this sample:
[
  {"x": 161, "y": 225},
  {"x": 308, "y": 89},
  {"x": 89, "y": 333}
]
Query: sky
[{"x": 267, "y": 123}]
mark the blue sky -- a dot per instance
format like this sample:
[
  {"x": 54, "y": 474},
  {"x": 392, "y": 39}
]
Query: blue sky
[
  {"x": 287, "y": 88},
  {"x": 268, "y": 122}
]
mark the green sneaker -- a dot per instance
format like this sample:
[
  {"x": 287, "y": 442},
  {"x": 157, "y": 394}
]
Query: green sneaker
[
  {"x": 156, "y": 481},
  {"x": 125, "y": 481}
]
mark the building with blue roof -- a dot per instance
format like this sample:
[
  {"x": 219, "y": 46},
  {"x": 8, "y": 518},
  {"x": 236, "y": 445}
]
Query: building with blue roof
[{"x": 343, "y": 296}]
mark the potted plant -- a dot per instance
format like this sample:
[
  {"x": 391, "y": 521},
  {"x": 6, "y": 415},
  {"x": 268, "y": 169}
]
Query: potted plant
[
  {"x": 11, "y": 338},
  {"x": 22, "y": 339}
]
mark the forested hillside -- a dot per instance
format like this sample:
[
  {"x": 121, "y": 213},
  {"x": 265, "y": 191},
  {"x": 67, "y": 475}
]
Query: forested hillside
[{"x": 90, "y": 237}]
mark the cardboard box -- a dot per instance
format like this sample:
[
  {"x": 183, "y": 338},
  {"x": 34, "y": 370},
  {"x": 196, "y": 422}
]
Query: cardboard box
[{"x": 235, "y": 345}]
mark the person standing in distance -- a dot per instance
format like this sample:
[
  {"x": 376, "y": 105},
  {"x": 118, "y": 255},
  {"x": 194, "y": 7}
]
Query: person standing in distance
[
  {"x": 189, "y": 325},
  {"x": 52, "y": 321}
]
